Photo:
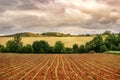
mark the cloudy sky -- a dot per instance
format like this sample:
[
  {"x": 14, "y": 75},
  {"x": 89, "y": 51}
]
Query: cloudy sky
[{"x": 68, "y": 16}]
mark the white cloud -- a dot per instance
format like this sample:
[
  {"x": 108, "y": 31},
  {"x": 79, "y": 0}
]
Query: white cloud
[{"x": 72, "y": 14}]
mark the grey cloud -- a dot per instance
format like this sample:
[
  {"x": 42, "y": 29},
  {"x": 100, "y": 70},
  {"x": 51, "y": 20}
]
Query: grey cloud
[
  {"x": 7, "y": 2},
  {"x": 20, "y": 4},
  {"x": 44, "y": 1},
  {"x": 75, "y": 16},
  {"x": 27, "y": 6},
  {"x": 6, "y": 29},
  {"x": 113, "y": 2}
]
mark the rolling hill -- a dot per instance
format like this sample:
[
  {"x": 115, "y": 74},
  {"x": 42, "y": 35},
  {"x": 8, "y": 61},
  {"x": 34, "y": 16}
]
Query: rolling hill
[{"x": 30, "y": 34}]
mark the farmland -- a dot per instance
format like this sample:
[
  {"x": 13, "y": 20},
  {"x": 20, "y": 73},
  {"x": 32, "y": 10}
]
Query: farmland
[
  {"x": 59, "y": 67},
  {"x": 68, "y": 41}
]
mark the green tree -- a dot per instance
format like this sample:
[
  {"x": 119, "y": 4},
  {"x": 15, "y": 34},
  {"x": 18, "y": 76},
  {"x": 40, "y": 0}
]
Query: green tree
[
  {"x": 40, "y": 46},
  {"x": 27, "y": 49},
  {"x": 18, "y": 39},
  {"x": 118, "y": 39},
  {"x": 103, "y": 48},
  {"x": 89, "y": 46},
  {"x": 82, "y": 49},
  {"x": 59, "y": 47},
  {"x": 68, "y": 50},
  {"x": 11, "y": 46},
  {"x": 94, "y": 45},
  {"x": 97, "y": 42},
  {"x": 41, "y": 50},
  {"x": 107, "y": 32},
  {"x": 113, "y": 47},
  {"x": 2, "y": 48},
  {"x": 75, "y": 48},
  {"x": 118, "y": 47},
  {"x": 111, "y": 40},
  {"x": 18, "y": 42},
  {"x": 51, "y": 49},
  {"x": 14, "y": 45}
]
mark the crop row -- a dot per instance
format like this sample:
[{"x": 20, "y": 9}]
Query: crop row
[{"x": 58, "y": 67}]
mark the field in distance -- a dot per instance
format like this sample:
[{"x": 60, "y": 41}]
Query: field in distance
[
  {"x": 68, "y": 41},
  {"x": 59, "y": 67}
]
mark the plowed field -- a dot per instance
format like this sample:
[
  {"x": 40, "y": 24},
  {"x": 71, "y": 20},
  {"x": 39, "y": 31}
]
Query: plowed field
[{"x": 59, "y": 67}]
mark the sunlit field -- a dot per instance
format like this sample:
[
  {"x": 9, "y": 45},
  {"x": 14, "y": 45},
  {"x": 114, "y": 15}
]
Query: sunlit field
[{"x": 68, "y": 41}]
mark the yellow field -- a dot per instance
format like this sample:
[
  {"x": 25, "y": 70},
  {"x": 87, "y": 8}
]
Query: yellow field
[{"x": 68, "y": 41}]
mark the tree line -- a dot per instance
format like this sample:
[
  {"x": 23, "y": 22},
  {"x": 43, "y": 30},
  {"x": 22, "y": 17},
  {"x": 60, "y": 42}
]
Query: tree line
[{"x": 97, "y": 45}]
